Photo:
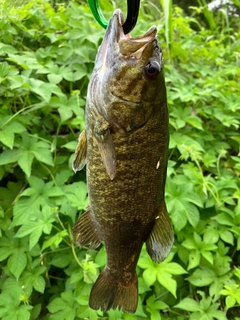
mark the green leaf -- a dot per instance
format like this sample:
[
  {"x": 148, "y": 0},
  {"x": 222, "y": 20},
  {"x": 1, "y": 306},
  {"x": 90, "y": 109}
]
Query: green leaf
[
  {"x": 55, "y": 240},
  {"x": 149, "y": 276},
  {"x": 77, "y": 195},
  {"x": 7, "y": 132},
  {"x": 194, "y": 259},
  {"x": 230, "y": 302},
  {"x": 64, "y": 307},
  {"x": 165, "y": 279},
  {"x": 17, "y": 262},
  {"x": 39, "y": 284},
  {"x": 47, "y": 53},
  {"x": 41, "y": 223},
  {"x": 65, "y": 113},
  {"x": 33, "y": 198},
  {"x": 36, "y": 312},
  {"x": 155, "y": 315},
  {"x": 188, "y": 305},
  {"x": 178, "y": 217},
  {"x": 192, "y": 213},
  {"x": 195, "y": 122},
  {"x": 175, "y": 268},
  {"x": 54, "y": 78},
  {"x": 202, "y": 278},
  {"x": 10, "y": 307},
  {"x": 32, "y": 278},
  {"x": 24, "y": 155},
  {"x": 61, "y": 260},
  {"x": 7, "y": 49},
  {"x": 211, "y": 235},
  {"x": 226, "y": 236},
  {"x": 42, "y": 153},
  {"x": 190, "y": 244},
  {"x": 71, "y": 145},
  {"x": 8, "y": 156},
  {"x": 25, "y": 160},
  {"x": 217, "y": 285},
  {"x": 44, "y": 90},
  {"x": 23, "y": 312},
  {"x": 180, "y": 204},
  {"x": 208, "y": 256},
  {"x": 154, "y": 304},
  {"x": 5, "y": 253}
]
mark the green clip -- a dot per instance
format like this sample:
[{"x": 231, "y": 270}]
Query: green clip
[
  {"x": 132, "y": 16},
  {"x": 97, "y": 13}
]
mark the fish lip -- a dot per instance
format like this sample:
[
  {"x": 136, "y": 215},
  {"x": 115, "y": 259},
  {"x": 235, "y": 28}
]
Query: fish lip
[
  {"x": 115, "y": 29},
  {"x": 115, "y": 43},
  {"x": 126, "y": 44},
  {"x": 117, "y": 22}
]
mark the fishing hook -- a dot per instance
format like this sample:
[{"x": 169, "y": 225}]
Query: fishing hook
[{"x": 132, "y": 15}]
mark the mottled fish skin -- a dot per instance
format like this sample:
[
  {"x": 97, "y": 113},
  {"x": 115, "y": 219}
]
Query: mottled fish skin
[{"x": 126, "y": 153}]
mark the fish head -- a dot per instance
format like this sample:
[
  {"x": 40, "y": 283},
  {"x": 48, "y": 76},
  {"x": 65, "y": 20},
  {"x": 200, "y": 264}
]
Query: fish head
[{"x": 128, "y": 75}]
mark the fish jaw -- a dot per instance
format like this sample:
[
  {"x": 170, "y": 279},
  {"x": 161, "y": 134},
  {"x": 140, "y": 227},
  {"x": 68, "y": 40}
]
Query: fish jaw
[
  {"x": 119, "y": 89},
  {"x": 116, "y": 43}
]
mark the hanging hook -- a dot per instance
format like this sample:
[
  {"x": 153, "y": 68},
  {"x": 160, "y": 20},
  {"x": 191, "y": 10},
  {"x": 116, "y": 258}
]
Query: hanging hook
[{"x": 132, "y": 15}]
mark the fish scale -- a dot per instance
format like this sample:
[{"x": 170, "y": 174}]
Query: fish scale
[{"x": 125, "y": 147}]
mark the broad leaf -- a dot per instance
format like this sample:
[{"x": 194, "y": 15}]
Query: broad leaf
[
  {"x": 8, "y": 130},
  {"x": 40, "y": 222},
  {"x": 188, "y": 304},
  {"x": 17, "y": 262}
]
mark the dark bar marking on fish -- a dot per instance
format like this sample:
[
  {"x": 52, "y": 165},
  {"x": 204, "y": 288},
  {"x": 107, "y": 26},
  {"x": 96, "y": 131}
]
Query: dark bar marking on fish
[{"x": 86, "y": 232}]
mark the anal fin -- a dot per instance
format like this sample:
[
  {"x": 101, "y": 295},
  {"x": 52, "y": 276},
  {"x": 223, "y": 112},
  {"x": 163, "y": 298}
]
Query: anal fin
[
  {"x": 161, "y": 238},
  {"x": 80, "y": 156},
  {"x": 86, "y": 232}
]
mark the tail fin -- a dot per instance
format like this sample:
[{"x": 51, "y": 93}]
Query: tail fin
[{"x": 107, "y": 294}]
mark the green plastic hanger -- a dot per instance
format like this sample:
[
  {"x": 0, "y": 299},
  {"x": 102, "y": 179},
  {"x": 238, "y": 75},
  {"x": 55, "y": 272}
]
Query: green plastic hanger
[{"x": 132, "y": 15}]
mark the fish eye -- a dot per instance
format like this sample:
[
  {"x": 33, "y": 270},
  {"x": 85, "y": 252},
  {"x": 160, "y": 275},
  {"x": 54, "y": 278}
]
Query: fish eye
[{"x": 152, "y": 69}]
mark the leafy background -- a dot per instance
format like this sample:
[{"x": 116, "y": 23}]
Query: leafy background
[{"x": 47, "y": 52}]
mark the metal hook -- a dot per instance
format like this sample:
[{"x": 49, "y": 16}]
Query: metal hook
[{"x": 132, "y": 15}]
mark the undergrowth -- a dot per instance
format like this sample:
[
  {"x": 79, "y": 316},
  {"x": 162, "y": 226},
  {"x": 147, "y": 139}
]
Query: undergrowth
[{"x": 47, "y": 56}]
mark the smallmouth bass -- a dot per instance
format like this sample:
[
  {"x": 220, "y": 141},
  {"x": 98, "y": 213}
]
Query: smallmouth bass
[{"x": 125, "y": 147}]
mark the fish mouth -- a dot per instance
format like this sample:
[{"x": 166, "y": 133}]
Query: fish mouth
[{"x": 116, "y": 43}]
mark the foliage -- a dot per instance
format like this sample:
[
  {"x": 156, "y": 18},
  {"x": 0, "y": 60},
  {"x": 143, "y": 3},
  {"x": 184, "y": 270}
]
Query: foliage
[{"x": 47, "y": 56}]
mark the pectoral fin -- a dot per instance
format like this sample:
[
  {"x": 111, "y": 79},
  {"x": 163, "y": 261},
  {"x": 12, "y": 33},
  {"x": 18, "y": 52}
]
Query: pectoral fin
[
  {"x": 106, "y": 147},
  {"x": 160, "y": 240},
  {"x": 80, "y": 157},
  {"x": 86, "y": 232}
]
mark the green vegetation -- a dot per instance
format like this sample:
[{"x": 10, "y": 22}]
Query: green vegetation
[{"x": 47, "y": 55}]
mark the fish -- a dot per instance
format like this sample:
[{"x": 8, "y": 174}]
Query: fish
[{"x": 125, "y": 149}]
